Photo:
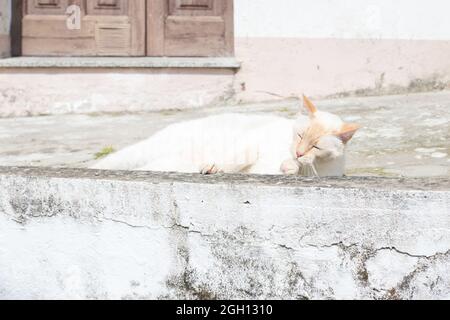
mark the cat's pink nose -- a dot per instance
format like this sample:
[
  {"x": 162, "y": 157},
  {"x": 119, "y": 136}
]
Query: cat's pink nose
[{"x": 299, "y": 154}]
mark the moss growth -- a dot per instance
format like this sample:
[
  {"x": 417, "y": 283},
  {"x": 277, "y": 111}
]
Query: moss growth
[
  {"x": 104, "y": 152},
  {"x": 169, "y": 112},
  {"x": 286, "y": 111}
]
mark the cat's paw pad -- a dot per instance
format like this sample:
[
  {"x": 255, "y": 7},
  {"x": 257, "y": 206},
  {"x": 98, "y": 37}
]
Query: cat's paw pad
[
  {"x": 210, "y": 169},
  {"x": 290, "y": 167}
]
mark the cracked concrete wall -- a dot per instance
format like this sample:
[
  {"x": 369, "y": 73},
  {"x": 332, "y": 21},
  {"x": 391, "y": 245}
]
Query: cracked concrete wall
[{"x": 92, "y": 234}]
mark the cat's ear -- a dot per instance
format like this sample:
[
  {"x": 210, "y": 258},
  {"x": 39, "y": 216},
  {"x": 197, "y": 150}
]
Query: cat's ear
[
  {"x": 309, "y": 105},
  {"x": 347, "y": 131}
]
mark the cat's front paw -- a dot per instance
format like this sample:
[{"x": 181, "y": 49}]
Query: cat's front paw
[
  {"x": 210, "y": 169},
  {"x": 290, "y": 166}
]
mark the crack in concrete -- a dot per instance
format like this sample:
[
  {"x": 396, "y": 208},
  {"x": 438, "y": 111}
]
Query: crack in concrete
[
  {"x": 433, "y": 256},
  {"x": 172, "y": 227},
  {"x": 372, "y": 252},
  {"x": 340, "y": 244},
  {"x": 129, "y": 224},
  {"x": 189, "y": 230},
  {"x": 283, "y": 246}
]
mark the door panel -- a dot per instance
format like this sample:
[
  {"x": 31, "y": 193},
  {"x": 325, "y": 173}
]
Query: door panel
[
  {"x": 192, "y": 7},
  {"x": 108, "y": 7},
  {"x": 190, "y": 28},
  {"x": 108, "y": 28}
]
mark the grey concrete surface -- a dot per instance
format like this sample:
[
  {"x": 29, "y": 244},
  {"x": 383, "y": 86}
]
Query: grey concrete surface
[
  {"x": 374, "y": 183},
  {"x": 119, "y": 62},
  {"x": 404, "y": 135}
]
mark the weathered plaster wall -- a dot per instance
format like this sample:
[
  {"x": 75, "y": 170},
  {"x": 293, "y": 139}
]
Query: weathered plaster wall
[
  {"x": 330, "y": 47},
  {"x": 61, "y": 91},
  {"x": 5, "y": 21},
  {"x": 85, "y": 234},
  {"x": 336, "y": 67}
]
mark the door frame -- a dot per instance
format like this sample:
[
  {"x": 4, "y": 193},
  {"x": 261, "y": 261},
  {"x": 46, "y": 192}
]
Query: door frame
[{"x": 16, "y": 28}]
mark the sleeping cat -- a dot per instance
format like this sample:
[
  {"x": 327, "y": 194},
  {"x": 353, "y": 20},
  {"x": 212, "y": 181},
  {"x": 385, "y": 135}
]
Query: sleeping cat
[{"x": 237, "y": 143}]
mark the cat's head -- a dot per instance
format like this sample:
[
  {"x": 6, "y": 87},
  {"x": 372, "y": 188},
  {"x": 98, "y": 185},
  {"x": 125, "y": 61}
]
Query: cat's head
[{"x": 322, "y": 132}]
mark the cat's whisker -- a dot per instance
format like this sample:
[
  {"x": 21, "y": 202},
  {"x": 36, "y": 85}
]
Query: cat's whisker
[
  {"x": 313, "y": 167},
  {"x": 304, "y": 171},
  {"x": 310, "y": 171}
]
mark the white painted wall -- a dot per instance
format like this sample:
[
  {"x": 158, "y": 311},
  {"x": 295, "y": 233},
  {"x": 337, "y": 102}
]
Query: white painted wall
[
  {"x": 117, "y": 236},
  {"x": 360, "y": 19}
]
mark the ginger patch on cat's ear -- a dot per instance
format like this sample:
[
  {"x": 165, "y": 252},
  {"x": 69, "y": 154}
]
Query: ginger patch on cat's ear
[
  {"x": 309, "y": 105},
  {"x": 347, "y": 131}
]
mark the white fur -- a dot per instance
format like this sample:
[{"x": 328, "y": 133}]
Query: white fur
[{"x": 231, "y": 143}]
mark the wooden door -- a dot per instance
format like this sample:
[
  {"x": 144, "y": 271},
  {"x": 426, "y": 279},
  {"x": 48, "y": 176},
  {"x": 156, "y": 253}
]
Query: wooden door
[
  {"x": 108, "y": 28},
  {"x": 190, "y": 28}
]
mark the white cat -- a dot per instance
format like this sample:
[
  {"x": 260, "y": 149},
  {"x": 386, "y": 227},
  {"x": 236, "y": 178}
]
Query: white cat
[{"x": 237, "y": 143}]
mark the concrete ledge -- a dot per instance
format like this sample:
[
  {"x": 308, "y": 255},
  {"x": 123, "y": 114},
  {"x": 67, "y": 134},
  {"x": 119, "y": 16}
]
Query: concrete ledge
[
  {"x": 97, "y": 234},
  {"x": 370, "y": 183},
  {"x": 118, "y": 62}
]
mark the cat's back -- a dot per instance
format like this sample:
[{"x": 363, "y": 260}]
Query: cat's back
[
  {"x": 227, "y": 124},
  {"x": 235, "y": 120},
  {"x": 212, "y": 139}
]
